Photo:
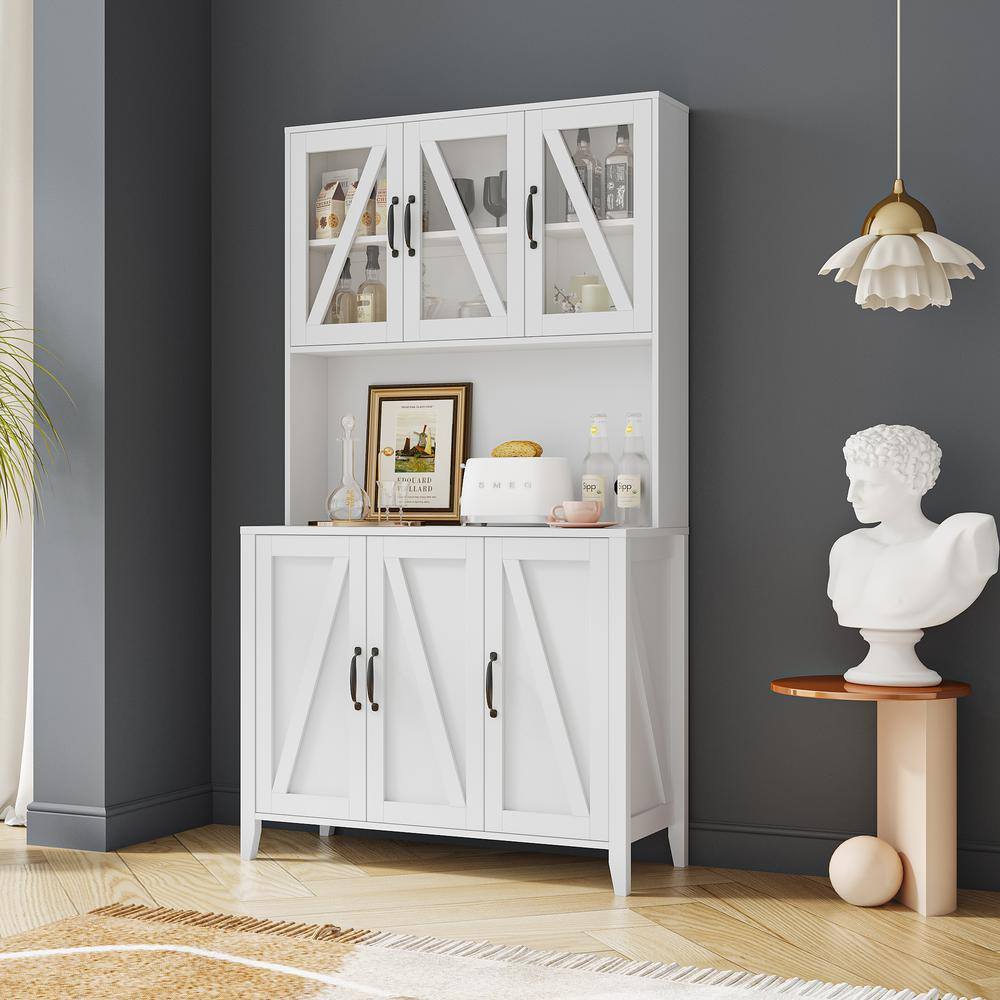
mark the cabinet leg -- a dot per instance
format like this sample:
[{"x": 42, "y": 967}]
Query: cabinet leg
[
  {"x": 620, "y": 863},
  {"x": 677, "y": 836},
  {"x": 327, "y": 831},
  {"x": 917, "y": 800},
  {"x": 249, "y": 839}
]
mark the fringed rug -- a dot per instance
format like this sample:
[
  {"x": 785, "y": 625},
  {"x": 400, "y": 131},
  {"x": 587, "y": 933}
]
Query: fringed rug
[{"x": 142, "y": 953}]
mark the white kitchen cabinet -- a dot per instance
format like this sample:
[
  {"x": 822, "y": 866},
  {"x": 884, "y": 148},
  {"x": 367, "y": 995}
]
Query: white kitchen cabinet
[
  {"x": 493, "y": 683},
  {"x": 489, "y": 268},
  {"x": 502, "y": 684}
]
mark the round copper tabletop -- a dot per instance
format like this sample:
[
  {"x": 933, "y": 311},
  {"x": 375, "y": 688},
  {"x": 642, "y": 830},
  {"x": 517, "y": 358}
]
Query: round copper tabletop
[{"x": 834, "y": 687}]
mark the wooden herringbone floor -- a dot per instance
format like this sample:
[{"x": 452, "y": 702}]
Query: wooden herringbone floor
[{"x": 783, "y": 924}]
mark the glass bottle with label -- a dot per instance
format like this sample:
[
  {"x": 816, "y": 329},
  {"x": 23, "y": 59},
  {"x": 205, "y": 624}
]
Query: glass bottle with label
[
  {"x": 618, "y": 177},
  {"x": 344, "y": 308},
  {"x": 591, "y": 176},
  {"x": 632, "y": 485},
  {"x": 371, "y": 292},
  {"x": 598, "y": 466}
]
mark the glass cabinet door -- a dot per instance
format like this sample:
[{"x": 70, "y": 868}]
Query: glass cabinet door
[
  {"x": 588, "y": 201},
  {"x": 464, "y": 253},
  {"x": 344, "y": 262}
]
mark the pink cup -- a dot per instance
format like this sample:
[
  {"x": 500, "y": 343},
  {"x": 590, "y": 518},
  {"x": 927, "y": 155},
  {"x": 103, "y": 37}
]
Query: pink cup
[{"x": 577, "y": 511}]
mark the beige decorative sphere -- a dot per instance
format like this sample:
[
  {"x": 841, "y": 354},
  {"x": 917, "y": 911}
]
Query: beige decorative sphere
[{"x": 866, "y": 871}]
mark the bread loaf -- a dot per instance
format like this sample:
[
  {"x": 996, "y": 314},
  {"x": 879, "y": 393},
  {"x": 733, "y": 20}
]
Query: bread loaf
[{"x": 517, "y": 449}]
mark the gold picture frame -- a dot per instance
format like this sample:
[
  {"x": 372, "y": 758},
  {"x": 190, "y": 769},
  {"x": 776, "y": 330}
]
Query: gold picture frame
[{"x": 424, "y": 431}]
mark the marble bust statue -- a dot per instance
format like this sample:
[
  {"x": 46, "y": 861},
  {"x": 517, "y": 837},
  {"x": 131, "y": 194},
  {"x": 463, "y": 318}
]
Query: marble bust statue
[{"x": 906, "y": 573}]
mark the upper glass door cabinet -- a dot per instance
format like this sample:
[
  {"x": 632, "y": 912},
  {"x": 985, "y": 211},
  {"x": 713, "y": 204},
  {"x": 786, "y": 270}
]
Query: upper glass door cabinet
[
  {"x": 464, "y": 252},
  {"x": 345, "y": 262},
  {"x": 588, "y": 219}
]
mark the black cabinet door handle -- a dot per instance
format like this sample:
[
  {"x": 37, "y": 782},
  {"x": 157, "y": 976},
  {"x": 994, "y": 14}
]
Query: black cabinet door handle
[
  {"x": 529, "y": 216},
  {"x": 354, "y": 678},
  {"x": 489, "y": 685},
  {"x": 370, "y": 680},
  {"x": 407, "y": 225},
  {"x": 391, "y": 225}
]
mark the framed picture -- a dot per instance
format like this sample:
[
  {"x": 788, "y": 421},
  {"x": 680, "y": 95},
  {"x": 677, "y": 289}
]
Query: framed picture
[{"x": 419, "y": 434}]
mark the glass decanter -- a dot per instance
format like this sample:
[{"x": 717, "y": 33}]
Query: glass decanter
[{"x": 348, "y": 503}]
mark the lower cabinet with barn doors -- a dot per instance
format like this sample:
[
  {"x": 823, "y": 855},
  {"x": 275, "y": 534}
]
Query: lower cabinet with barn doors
[{"x": 497, "y": 683}]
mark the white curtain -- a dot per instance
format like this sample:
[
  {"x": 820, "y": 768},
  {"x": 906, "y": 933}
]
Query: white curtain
[{"x": 16, "y": 293}]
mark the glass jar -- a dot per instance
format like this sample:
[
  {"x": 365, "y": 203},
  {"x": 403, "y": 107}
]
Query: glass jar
[{"x": 349, "y": 503}]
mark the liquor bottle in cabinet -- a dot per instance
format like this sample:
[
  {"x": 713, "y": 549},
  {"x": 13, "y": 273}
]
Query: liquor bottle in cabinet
[
  {"x": 591, "y": 176},
  {"x": 598, "y": 466},
  {"x": 632, "y": 485},
  {"x": 344, "y": 308},
  {"x": 618, "y": 177},
  {"x": 371, "y": 292}
]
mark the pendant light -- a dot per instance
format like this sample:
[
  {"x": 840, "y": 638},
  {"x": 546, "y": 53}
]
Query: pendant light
[{"x": 900, "y": 259}]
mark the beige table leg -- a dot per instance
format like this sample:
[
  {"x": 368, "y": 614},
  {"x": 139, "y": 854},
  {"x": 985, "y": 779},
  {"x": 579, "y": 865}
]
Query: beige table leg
[{"x": 917, "y": 800}]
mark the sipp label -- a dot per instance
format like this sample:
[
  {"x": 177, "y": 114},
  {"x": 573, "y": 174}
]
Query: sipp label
[
  {"x": 593, "y": 487},
  {"x": 629, "y": 490}
]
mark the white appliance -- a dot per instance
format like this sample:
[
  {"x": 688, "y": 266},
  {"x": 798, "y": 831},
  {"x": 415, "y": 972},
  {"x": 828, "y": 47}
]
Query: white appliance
[{"x": 513, "y": 490}]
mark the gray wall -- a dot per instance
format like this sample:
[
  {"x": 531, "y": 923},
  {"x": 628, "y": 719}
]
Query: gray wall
[
  {"x": 791, "y": 142},
  {"x": 159, "y": 415},
  {"x": 122, "y": 271}
]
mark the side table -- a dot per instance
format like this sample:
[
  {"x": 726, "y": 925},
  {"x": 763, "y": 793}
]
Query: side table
[{"x": 917, "y": 771}]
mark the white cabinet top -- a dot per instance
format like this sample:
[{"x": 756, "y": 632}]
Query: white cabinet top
[
  {"x": 649, "y": 95},
  {"x": 470, "y": 530}
]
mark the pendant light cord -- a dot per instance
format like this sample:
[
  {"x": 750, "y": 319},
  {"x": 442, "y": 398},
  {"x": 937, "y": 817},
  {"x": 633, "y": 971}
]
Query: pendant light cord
[{"x": 899, "y": 15}]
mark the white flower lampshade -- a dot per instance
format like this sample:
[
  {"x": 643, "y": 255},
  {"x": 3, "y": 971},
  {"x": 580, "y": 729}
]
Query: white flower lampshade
[{"x": 900, "y": 260}]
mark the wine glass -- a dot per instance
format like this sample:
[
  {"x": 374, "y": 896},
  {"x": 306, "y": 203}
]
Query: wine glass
[
  {"x": 495, "y": 195},
  {"x": 386, "y": 497},
  {"x": 402, "y": 491},
  {"x": 467, "y": 192}
]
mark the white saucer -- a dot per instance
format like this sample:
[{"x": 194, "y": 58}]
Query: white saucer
[{"x": 580, "y": 524}]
